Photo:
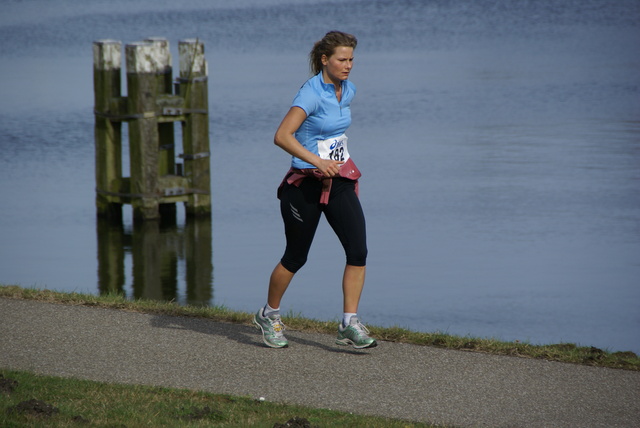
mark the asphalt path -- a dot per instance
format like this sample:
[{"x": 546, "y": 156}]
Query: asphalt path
[{"x": 417, "y": 383}]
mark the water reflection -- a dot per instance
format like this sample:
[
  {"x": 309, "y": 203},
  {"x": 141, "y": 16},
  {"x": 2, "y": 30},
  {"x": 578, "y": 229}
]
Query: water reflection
[{"x": 159, "y": 251}]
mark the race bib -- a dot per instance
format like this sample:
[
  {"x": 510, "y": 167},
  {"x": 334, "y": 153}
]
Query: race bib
[{"x": 334, "y": 148}]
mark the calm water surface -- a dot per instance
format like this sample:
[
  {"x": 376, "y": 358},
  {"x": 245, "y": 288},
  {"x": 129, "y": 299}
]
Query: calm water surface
[{"x": 499, "y": 141}]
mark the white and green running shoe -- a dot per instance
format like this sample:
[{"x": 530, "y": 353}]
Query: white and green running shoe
[
  {"x": 355, "y": 334},
  {"x": 272, "y": 330}
]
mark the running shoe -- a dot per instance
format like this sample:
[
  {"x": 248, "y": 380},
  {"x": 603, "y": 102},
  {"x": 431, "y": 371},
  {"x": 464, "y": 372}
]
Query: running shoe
[
  {"x": 272, "y": 330},
  {"x": 355, "y": 334}
]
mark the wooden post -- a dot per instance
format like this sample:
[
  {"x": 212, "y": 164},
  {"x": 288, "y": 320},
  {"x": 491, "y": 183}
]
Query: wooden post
[
  {"x": 166, "y": 158},
  {"x": 108, "y": 134},
  {"x": 195, "y": 131},
  {"x": 166, "y": 137},
  {"x": 142, "y": 67}
]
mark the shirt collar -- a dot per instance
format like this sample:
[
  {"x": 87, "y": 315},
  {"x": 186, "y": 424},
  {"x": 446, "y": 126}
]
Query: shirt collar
[{"x": 329, "y": 87}]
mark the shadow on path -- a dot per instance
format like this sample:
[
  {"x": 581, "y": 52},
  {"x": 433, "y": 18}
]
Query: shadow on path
[{"x": 243, "y": 334}]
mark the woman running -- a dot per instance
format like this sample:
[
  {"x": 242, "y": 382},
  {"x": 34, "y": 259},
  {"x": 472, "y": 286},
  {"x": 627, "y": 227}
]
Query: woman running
[{"x": 323, "y": 179}]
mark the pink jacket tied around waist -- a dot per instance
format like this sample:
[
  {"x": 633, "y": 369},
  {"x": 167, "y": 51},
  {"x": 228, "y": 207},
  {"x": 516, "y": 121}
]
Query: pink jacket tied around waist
[{"x": 295, "y": 176}]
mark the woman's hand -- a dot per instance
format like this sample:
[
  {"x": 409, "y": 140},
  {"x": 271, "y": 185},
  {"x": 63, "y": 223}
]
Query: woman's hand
[{"x": 328, "y": 167}]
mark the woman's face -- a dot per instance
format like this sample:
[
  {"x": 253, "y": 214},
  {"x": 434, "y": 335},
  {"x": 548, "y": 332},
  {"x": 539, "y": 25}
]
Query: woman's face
[{"x": 338, "y": 66}]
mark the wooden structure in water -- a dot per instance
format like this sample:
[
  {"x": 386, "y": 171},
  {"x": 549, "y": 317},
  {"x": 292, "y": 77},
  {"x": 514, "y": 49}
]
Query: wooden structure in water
[{"x": 157, "y": 182}]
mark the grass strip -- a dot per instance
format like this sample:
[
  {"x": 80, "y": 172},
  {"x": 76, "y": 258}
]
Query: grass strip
[
  {"x": 562, "y": 352},
  {"x": 31, "y": 400}
]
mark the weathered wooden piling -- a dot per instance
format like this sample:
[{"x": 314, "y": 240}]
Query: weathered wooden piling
[
  {"x": 142, "y": 87},
  {"x": 108, "y": 133},
  {"x": 195, "y": 130},
  {"x": 151, "y": 108},
  {"x": 166, "y": 135}
]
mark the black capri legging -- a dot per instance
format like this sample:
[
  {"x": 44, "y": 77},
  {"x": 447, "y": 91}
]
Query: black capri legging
[{"x": 301, "y": 210}]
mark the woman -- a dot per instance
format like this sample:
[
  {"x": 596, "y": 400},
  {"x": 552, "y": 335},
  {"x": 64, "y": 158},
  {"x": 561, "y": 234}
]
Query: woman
[{"x": 322, "y": 179}]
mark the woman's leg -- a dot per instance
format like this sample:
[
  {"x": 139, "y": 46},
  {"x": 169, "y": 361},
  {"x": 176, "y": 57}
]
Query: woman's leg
[
  {"x": 269, "y": 321},
  {"x": 344, "y": 214},
  {"x": 278, "y": 284},
  {"x": 352, "y": 285},
  {"x": 347, "y": 220},
  {"x": 301, "y": 215}
]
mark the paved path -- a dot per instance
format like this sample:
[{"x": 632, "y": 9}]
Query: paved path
[{"x": 418, "y": 383}]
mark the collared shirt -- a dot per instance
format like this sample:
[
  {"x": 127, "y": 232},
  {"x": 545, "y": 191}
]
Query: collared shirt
[{"x": 326, "y": 117}]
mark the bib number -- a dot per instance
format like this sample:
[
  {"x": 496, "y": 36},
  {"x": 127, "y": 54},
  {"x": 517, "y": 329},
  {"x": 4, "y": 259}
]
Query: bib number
[{"x": 334, "y": 148}]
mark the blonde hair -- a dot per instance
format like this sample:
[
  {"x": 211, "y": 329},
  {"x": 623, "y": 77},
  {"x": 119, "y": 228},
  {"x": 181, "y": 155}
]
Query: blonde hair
[{"x": 327, "y": 46}]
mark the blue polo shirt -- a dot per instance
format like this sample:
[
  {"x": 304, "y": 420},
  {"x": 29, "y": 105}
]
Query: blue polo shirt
[{"x": 326, "y": 118}]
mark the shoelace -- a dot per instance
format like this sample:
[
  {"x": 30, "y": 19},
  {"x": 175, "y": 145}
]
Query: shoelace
[
  {"x": 278, "y": 326},
  {"x": 360, "y": 328}
]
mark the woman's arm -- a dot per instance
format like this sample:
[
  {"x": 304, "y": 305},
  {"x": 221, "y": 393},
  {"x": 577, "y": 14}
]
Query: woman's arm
[{"x": 285, "y": 139}]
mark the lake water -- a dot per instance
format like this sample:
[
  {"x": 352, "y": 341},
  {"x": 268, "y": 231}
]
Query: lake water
[{"x": 499, "y": 143}]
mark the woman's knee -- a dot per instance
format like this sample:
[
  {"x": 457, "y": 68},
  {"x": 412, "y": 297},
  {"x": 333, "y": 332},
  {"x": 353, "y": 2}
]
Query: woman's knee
[
  {"x": 357, "y": 257},
  {"x": 293, "y": 264}
]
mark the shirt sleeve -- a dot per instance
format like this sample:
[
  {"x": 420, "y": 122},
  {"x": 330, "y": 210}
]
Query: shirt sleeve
[{"x": 306, "y": 99}]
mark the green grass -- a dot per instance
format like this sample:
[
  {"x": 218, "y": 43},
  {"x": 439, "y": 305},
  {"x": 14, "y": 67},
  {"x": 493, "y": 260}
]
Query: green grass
[
  {"x": 562, "y": 352},
  {"x": 77, "y": 403}
]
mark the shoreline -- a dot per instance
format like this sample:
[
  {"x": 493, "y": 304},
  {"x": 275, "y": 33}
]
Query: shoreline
[{"x": 562, "y": 352}]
